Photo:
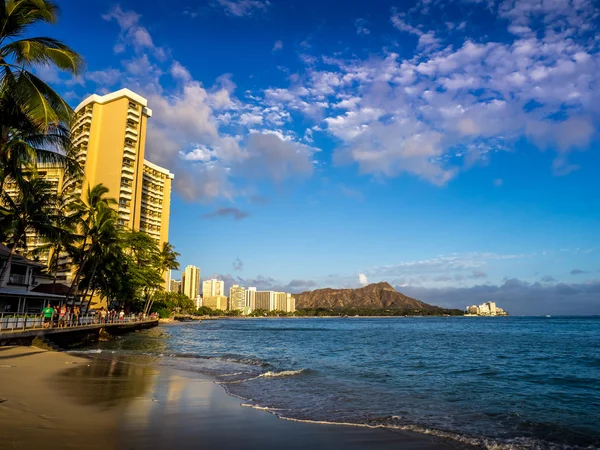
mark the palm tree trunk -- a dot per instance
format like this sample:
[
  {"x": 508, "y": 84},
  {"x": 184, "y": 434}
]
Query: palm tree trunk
[
  {"x": 75, "y": 281},
  {"x": 10, "y": 258},
  {"x": 89, "y": 284},
  {"x": 87, "y": 308},
  {"x": 6, "y": 264}
]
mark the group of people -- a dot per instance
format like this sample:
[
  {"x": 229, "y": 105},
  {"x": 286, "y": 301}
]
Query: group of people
[
  {"x": 110, "y": 316},
  {"x": 65, "y": 316},
  {"x": 61, "y": 316}
]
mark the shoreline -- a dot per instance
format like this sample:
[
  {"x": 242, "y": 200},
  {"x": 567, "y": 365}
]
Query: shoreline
[{"x": 60, "y": 400}]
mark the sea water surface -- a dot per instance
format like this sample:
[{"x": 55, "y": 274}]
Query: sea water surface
[{"x": 493, "y": 382}]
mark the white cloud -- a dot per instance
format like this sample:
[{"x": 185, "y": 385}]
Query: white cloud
[
  {"x": 361, "y": 27},
  {"x": 241, "y": 8},
  {"x": 179, "y": 72},
  {"x": 362, "y": 279},
  {"x": 278, "y": 45}
]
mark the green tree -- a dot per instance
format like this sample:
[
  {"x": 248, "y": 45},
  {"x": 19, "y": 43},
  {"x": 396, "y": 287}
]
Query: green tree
[
  {"x": 34, "y": 120},
  {"x": 29, "y": 210},
  {"x": 65, "y": 217},
  {"x": 167, "y": 260},
  {"x": 98, "y": 219}
]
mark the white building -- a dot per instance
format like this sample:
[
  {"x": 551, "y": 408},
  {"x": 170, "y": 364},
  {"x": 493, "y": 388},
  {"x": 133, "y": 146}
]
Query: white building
[
  {"x": 237, "y": 298},
  {"x": 486, "y": 309},
  {"x": 190, "y": 282},
  {"x": 250, "y": 299},
  {"x": 264, "y": 300},
  {"x": 212, "y": 288}
]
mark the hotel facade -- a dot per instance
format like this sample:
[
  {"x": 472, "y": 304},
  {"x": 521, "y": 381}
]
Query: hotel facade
[
  {"x": 190, "y": 282},
  {"x": 109, "y": 138}
]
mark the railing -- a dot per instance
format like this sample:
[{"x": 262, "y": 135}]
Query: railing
[
  {"x": 22, "y": 322},
  {"x": 16, "y": 278}
]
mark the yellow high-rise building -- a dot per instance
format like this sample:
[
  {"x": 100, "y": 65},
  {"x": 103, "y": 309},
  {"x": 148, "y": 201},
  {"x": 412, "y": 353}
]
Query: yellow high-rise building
[
  {"x": 190, "y": 282},
  {"x": 109, "y": 136}
]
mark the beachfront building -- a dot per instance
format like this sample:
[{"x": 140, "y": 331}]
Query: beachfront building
[
  {"x": 212, "y": 288},
  {"x": 175, "y": 286},
  {"x": 250, "y": 299},
  {"x": 284, "y": 302},
  {"x": 190, "y": 282},
  {"x": 264, "y": 300},
  {"x": 486, "y": 309},
  {"x": 215, "y": 302},
  {"x": 109, "y": 137},
  {"x": 18, "y": 293},
  {"x": 156, "y": 202},
  {"x": 237, "y": 299}
]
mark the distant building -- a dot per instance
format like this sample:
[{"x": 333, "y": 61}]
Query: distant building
[
  {"x": 264, "y": 300},
  {"x": 250, "y": 302},
  {"x": 175, "y": 286},
  {"x": 190, "y": 282},
  {"x": 213, "y": 287},
  {"x": 215, "y": 302},
  {"x": 237, "y": 298},
  {"x": 284, "y": 302},
  {"x": 291, "y": 304},
  {"x": 486, "y": 309}
]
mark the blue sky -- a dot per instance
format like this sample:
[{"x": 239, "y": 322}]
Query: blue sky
[{"x": 447, "y": 147}]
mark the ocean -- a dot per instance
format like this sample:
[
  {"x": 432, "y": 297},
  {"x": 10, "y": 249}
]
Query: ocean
[{"x": 516, "y": 382}]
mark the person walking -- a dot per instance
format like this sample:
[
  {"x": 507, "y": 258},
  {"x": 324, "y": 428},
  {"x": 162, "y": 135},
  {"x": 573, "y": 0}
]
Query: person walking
[
  {"x": 103, "y": 315},
  {"x": 48, "y": 314},
  {"x": 76, "y": 313},
  {"x": 62, "y": 311},
  {"x": 121, "y": 315}
]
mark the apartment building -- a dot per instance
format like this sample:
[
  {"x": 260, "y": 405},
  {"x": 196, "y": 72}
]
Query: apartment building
[
  {"x": 284, "y": 302},
  {"x": 215, "y": 302},
  {"x": 250, "y": 302},
  {"x": 190, "y": 282},
  {"x": 109, "y": 136},
  {"x": 212, "y": 288},
  {"x": 264, "y": 300},
  {"x": 237, "y": 298}
]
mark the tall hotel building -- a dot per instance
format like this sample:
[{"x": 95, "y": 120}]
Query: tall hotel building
[
  {"x": 190, "y": 282},
  {"x": 237, "y": 298},
  {"x": 212, "y": 288},
  {"x": 109, "y": 135}
]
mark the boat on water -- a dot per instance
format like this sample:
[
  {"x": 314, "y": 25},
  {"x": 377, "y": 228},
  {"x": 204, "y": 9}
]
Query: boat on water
[{"x": 548, "y": 315}]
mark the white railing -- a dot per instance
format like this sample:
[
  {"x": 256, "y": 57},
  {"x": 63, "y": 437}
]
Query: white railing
[{"x": 22, "y": 322}]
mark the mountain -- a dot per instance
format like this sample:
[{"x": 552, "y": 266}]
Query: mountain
[{"x": 376, "y": 296}]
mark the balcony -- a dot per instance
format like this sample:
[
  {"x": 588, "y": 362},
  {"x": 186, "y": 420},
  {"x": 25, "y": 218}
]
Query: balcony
[
  {"x": 127, "y": 169},
  {"x": 128, "y": 151},
  {"x": 126, "y": 188},
  {"x": 130, "y": 133},
  {"x": 127, "y": 175},
  {"x": 18, "y": 279},
  {"x": 133, "y": 115}
]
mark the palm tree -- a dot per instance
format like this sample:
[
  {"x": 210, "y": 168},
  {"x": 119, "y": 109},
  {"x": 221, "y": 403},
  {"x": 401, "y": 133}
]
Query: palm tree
[
  {"x": 66, "y": 216},
  {"x": 97, "y": 218},
  {"x": 34, "y": 120},
  {"x": 168, "y": 257},
  {"x": 104, "y": 245},
  {"x": 29, "y": 210},
  {"x": 167, "y": 260}
]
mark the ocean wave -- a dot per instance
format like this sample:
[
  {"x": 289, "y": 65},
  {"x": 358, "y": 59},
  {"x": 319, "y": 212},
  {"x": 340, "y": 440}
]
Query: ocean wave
[
  {"x": 517, "y": 443},
  {"x": 260, "y": 408},
  {"x": 95, "y": 351},
  {"x": 284, "y": 373},
  {"x": 239, "y": 359}
]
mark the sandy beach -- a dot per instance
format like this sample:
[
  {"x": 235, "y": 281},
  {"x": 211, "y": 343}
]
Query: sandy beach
[{"x": 54, "y": 400}]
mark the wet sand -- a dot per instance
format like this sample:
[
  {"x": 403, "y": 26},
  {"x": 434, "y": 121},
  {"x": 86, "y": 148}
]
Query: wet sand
[{"x": 58, "y": 401}]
